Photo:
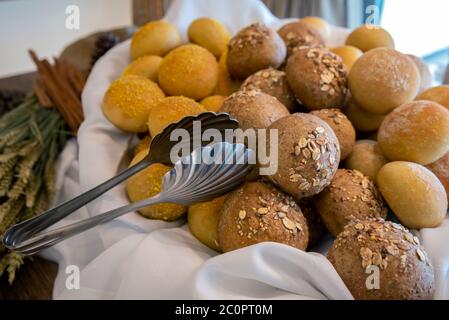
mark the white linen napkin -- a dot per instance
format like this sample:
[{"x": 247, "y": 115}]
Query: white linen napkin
[{"x": 136, "y": 258}]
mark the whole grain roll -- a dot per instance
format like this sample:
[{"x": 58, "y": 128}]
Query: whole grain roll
[{"x": 297, "y": 35}]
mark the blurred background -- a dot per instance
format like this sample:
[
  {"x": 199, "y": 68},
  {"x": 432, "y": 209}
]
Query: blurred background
[{"x": 418, "y": 27}]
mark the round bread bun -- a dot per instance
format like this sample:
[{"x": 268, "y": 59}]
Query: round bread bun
[
  {"x": 342, "y": 127},
  {"x": 190, "y": 71},
  {"x": 438, "y": 94},
  {"x": 226, "y": 85},
  {"x": 315, "y": 224},
  {"x": 213, "y": 103},
  {"x": 382, "y": 79},
  {"x": 145, "y": 66},
  {"x": 144, "y": 144},
  {"x": 361, "y": 119},
  {"x": 254, "y": 48},
  {"x": 368, "y": 37},
  {"x": 414, "y": 193},
  {"x": 417, "y": 131},
  {"x": 258, "y": 212},
  {"x": 129, "y": 100},
  {"x": 441, "y": 169},
  {"x": 318, "y": 78},
  {"x": 254, "y": 109},
  {"x": 308, "y": 154},
  {"x": 170, "y": 110},
  {"x": 210, "y": 34},
  {"x": 367, "y": 158},
  {"x": 318, "y": 24},
  {"x": 203, "y": 221},
  {"x": 154, "y": 38},
  {"x": 297, "y": 35},
  {"x": 424, "y": 73},
  {"x": 274, "y": 83},
  {"x": 404, "y": 271},
  {"x": 148, "y": 183},
  {"x": 351, "y": 195},
  {"x": 348, "y": 54}
]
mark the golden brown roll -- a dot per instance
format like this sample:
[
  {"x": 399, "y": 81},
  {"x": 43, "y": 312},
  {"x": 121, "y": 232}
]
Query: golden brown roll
[
  {"x": 368, "y": 37},
  {"x": 210, "y": 34},
  {"x": 190, "y": 71},
  {"x": 254, "y": 109},
  {"x": 318, "y": 24},
  {"x": 213, "y": 103},
  {"x": 417, "y": 131},
  {"x": 441, "y": 169},
  {"x": 318, "y": 78},
  {"x": 129, "y": 100},
  {"x": 226, "y": 85},
  {"x": 383, "y": 79},
  {"x": 146, "y": 184},
  {"x": 145, "y": 66},
  {"x": 258, "y": 212},
  {"x": 366, "y": 157},
  {"x": 381, "y": 260},
  {"x": 348, "y": 54},
  {"x": 297, "y": 35},
  {"x": 274, "y": 83},
  {"x": 254, "y": 48},
  {"x": 351, "y": 195},
  {"x": 424, "y": 73},
  {"x": 361, "y": 119},
  {"x": 308, "y": 155},
  {"x": 439, "y": 94},
  {"x": 170, "y": 110},
  {"x": 203, "y": 221},
  {"x": 414, "y": 193},
  {"x": 154, "y": 38},
  {"x": 342, "y": 127}
]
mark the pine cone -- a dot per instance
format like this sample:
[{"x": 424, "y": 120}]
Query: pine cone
[
  {"x": 9, "y": 99},
  {"x": 103, "y": 44}
]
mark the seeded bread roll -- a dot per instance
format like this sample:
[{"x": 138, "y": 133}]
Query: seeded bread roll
[
  {"x": 368, "y": 37},
  {"x": 351, "y": 195},
  {"x": 438, "y": 94},
  {"x": 424, "y": 73},
  {"x": 361, "y": 119},
  {"x": 315, "y": 224},
  {"x": 342, "y": 127},
  {"x": 370, "y": 251},
  {"x": 367, "y": 158},
  {"x": 417, "y": 131},
  {"x": 254, "y": 48},
  {"x": 189, "y": 71},
  {"x": 414, "y": 193},
  {"x": 129, "y": 100},
  {"x": 318, "y": 78},
  {"x": 383, "y": 79},
  {"x": 258, "y": 212},
  {"x": 441, "y": 169},
  {"x": 308, "y": 155},
  {"x": 155, "y": 38},
  {"x": 274, "y": 83},
  {"x": 348, "y": 54},
  {"x": 297, "y": 35},
  {"x": 210, "y": 34},
  {"x": 254, "y": 109}
]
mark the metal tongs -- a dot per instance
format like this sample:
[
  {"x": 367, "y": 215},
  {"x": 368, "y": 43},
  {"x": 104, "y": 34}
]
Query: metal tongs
[{"x": 191, "y": 180}]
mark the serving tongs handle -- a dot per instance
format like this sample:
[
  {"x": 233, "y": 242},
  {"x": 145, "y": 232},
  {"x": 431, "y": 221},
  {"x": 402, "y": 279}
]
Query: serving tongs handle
[{"x": 25, "y": 230}]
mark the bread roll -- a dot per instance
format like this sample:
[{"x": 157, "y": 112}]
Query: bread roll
[
  {"x": 361, "y": 119},
  {"x": 438, "y": 94},
  {"x": 348, "y": 54},
  {"x": 368, "y": 37},
  {"x": 297, "y": 35},
  {"x": 424, "y": 73},
  {"x": 367, "y": 158},
  {"x": 213, "y": 103},
  {"x": 210, "y": 34},
  {"x": 145, "y": 66},
  {"x": 441, "y": 169}
]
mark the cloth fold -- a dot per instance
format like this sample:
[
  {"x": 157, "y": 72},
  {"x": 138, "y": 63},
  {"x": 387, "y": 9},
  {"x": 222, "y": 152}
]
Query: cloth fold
[{"x": 136, "y": 258}]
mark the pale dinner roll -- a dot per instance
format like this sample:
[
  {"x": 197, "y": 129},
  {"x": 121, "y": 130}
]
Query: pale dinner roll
[
  {"x": 414, "y": 193},
  {"x": 361, "y": 119},
  {"x": 368, "y": 37},
  {"x": 348, "y": 54},
  {"x": 210, "y": 34},
  {"x": 154, "y": 38},
  {"x": 417, "y": 131},
  {"x": 129, "y": 100},
  {"x": 439, "y": 94},
  {"x": 383, "y": 79},
  {"x": 367, "y": 158}
]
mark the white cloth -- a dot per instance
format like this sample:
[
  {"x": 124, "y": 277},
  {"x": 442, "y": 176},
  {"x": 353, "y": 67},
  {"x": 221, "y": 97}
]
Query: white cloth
[{"x": 136, "y": 258}]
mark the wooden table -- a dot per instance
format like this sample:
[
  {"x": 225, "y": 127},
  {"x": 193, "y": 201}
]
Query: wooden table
[{"x": 34, "y": 280}]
